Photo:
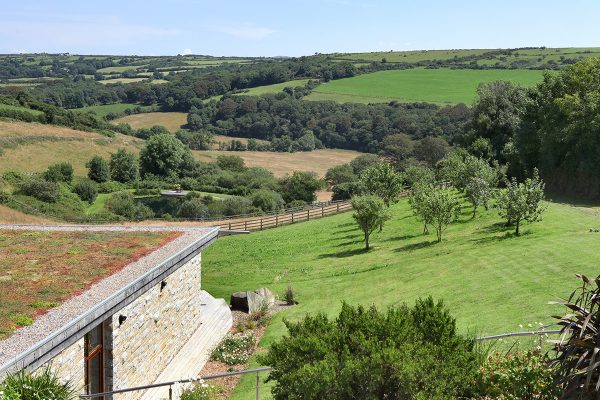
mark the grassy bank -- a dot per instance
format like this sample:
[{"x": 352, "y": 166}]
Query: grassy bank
[{"x": 491, "y": 280}]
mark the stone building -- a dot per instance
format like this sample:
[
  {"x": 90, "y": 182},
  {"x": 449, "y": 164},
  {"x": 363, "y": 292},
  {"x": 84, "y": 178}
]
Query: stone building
[{"x": 147, "y": 322}]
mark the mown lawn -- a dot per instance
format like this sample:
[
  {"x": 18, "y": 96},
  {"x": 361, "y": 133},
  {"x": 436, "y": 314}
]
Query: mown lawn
[
  {"x": 441, "y": 86},
  {"x": 491, "y": 280}
]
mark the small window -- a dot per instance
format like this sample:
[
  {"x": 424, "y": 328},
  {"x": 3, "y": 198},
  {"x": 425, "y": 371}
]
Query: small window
[{"x": 94, "y": 361}]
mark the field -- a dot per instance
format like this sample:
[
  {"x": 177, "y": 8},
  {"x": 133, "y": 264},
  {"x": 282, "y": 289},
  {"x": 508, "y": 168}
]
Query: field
[
  {"x": 491, "y": 280},
  {"x": 441, "y": 86},
  {"x": 280, "y": 164},
  {"x": 170, "y": 120},
  {"x": 131, "y": 80},
  {"x": 18, "y": 108},
  {"x": 32, "y": 147},
  {"x": 35, "y": 265},
  {"x": 105, "y": 109},
  {"x": 521, "y": 58},
  {"x": 275, "y": 88},
  {"x": 10, "y": 216}
]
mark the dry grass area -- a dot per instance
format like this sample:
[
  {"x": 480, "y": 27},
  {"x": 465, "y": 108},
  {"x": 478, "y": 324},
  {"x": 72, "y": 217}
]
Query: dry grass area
[
  {"x": 10, "y": 216},
  {"x": 41, "y": 269},
  {"x": 43, "y": 145},
  {"x": 318, "y": 161},
  {"x": 170, "y": 120}
]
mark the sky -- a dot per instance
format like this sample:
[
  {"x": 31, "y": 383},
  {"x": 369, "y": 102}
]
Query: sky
[{"x": 291, "y": 28}]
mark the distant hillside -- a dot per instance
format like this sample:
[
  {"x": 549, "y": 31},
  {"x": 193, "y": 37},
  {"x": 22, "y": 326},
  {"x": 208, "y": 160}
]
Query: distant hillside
[{"x": 32, "y": 147}]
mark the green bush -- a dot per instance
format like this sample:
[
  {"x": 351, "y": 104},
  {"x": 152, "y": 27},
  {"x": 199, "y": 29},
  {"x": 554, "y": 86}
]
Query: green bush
[
  {"x": 235, "y": 349},
  {"x": 98, "y": 169},
  {"x": 517, "y": 376},
  {"x": 61, "y": 172},
  {"x": 200, "y": 391},
  {"x": 86, "y": 190},
  {"x": 405, "y": 353},
  {"x": 44, "y": 384},
  {"x": 123, "y": 204},
  {"x": 267, "y": 200},
  {"x": 193, "y": 209},
  {"x": 46, "y": 191}
]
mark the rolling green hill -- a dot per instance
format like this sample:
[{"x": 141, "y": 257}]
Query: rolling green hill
[
  {"x": 441, "y": 86},
  {"x": 491, "y": 280}
]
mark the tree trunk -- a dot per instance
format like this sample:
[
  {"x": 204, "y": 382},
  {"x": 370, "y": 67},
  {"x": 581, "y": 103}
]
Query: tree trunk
[
  {"x": 518, "y": 223},
  {"x": 439, "y": 233},
  {"x": 366, "y": 241},
  {"x": 474, "y": 211},
  {"x": 425, "y": 229}
]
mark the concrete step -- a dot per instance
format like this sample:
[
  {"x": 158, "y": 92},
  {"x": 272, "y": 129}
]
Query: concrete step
[{"x": 216, "y": 321}]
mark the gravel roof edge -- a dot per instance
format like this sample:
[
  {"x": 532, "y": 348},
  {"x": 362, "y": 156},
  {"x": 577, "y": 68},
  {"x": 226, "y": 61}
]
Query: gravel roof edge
[{"x": 46, "y": 349}]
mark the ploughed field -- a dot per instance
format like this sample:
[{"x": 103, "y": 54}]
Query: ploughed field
[
  {"x": 441, "y": 86},
  {"x": 491, "y": 280}
]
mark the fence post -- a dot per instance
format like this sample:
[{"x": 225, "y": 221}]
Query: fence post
[
  {"x": 308, "y": 214},
  {"x": 292, "y": 218},
  {"x": 230, "y": 226},
  {"x": 170, "y": 392},
  {"x": 245, "y": 225},
  {"x": 276, "y": 220},
  {"x": 261, "y": 224},
  {"x": 322, "y": 210},
  {"x": 338, "y": 207},
  {"x": 257, "y": 383}
]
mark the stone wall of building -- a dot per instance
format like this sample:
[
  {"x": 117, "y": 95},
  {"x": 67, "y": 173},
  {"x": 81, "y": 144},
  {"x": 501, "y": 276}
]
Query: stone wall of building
[
  {"x": 139, "y": 347},
  {"x": 158, "y": 324}
]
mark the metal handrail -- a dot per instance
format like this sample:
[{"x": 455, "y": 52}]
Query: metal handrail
[{"x": 171, "y": 383}]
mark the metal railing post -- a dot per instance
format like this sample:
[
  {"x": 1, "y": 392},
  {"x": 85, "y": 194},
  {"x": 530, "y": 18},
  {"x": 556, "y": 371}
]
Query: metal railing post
[
  {"x": 170, "y": 392},
  {"x": 257, "y": 383}
]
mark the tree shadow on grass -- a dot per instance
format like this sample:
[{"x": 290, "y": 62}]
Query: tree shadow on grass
[
  {"x": 403, "y": 237},
  {"x": 345, "y": 231},
  {"x": 351, "y": 242},
  {"x": 495, "y": 228},
  {"x": 345, "y": 253},
  {"x": 416, "y": 246},
  {"x": 357, "y": 235},
  {"x": 507, "y": 235}
]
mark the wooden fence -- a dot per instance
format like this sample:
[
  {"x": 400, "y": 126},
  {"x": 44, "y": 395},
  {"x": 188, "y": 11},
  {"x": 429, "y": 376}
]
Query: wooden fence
[{"x": 273, "y": 221}]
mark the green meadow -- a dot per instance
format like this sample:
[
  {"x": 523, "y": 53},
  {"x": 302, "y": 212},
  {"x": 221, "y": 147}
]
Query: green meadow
[
  {"x": 491, "y": 280},
  {"x": 105, "y": 109},
  {"x": 441, "y": 86}
]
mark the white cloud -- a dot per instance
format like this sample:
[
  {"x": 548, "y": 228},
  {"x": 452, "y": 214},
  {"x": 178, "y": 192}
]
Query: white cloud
[
  {"x": 185, "y": 52},
  {"x": 246, "y": 32}
]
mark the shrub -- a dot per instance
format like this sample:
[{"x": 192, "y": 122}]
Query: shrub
[
  {"x": 267, "y": 200},
  {"x": 517, "y": 376},
  {"x": 111, "y": 187},
  {"x": 193, "y": 209},
  {"x": 123, "y": 203},
  {"x": 61, "y": 172},
  {"x": 41, "y": 190},
  {"x": 86, "y": 190},
  {"x": 200, "y": 391},
  {"x": 404, "y": 353},
  {"x": 124, "y": 166},
  {"x": 98, "y": 169},
  {"x": 289, "y": 296},
  {"x": 235, "y": 349},
  {"x": 43, "y": 384}
]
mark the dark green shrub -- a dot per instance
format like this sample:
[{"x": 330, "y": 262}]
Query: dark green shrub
[
  {"x": 297, "y": 204},
  {"x": 518, "y": 376},
  {"x": 124, "y": 166},
  {"x": 404, "y": 353},
  {"x": 124, "y": 204},
  {"x": 237, "y": 206},
  {"x": 267, "y": 200},
  {"x": 42, "y": 190},
  {"x": 193, "y": 209},
  {"x": 347, "y": 190},
  {"x": 43, "y": 384},
  {"x": 86, "y": 190},
  {"x": 300, "y": 185},
  {"x": 61, "y": 172},
  {"x": 98, "y": 169},
  {"x": 289, "y": 296}
]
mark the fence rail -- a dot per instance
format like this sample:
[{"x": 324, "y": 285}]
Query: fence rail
[
  {"x": 170, "y": 384},
  {"x": 276, "y": 220}
]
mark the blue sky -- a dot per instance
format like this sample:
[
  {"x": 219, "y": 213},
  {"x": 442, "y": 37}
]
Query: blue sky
[{"x": 277, "y": 28}]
